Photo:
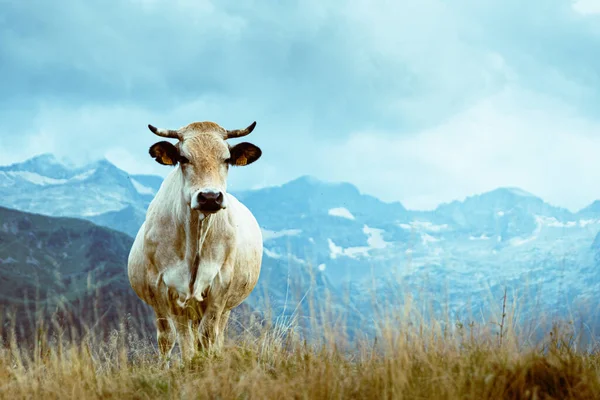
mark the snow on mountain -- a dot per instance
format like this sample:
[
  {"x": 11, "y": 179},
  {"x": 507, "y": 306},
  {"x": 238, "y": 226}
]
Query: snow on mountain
[
  {"x": 424, "y": 225},
  {"x": 374, "y": 241},
  {"x": 482, "y": 237},
  {"x": 466, "y": 250},
  {"x": 341, "y": 212},
  {"x": 141, "y": 189},
  {"x": 518, "y": 192},
  {"x": 268, "y": 235},
  {"x": 46, "y": 165},
  {"x": 151, "y": 182},
  {"x": 375, "y": 237},
  {"x": 40, "y": 180},
  {"x": 45, "y": 185},
  {"x": 352, "y": 252},
  {"x": 32, "y": 177}
]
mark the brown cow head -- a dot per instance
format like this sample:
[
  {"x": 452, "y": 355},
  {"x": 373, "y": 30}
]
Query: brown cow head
[{"x": 204, "y": 157}]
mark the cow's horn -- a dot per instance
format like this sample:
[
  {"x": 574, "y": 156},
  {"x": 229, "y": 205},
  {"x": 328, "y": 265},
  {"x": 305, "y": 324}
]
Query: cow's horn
[
  {"x": 168, "y": 133},
  {"x": 241, "y": 132}
]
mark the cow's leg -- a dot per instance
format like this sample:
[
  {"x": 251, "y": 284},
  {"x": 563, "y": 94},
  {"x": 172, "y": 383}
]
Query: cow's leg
[
  {"x": 195, "y": 331},
  {"x": 165, "y": 336},
  {"x": 186, "y": 339},
  {"x": 210, "y": 326},
  {"x": 222, "y": 328}
]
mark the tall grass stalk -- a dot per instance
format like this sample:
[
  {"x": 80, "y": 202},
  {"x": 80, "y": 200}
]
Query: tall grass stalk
[{"x": 410, "y": 357}]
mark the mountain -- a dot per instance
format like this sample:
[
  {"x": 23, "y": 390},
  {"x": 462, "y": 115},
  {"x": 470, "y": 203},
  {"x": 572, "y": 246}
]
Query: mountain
[
  {"x": 127, "y": 220},
  {"x": 328, "y": 225},
  {"x": 43, "y": 169},
  {"x": 504, "y": 213},
  {"x": 330, "y": 241},
  {"x": 71, "y": 270},
  {"x": 592, "y": 210},
  {"x": 454, "y": 261},
  {"x": 63, "y": 265},
  {"x": 99, "y": 192}
]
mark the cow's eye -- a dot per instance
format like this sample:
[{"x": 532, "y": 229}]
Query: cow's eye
[{"x": 183, "y": 160}]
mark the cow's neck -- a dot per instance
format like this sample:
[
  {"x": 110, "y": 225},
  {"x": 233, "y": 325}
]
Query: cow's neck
[
  {"x": 195, "y": 224},
  {"x": 187, "y": 229},
  {"x": 197, "y": 230}
]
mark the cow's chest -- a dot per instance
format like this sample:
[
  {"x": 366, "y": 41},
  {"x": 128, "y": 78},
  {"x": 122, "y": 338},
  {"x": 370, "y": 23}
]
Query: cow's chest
[
  {"x": 177, "y": 276},
  {"x": 193, "y": 281}
]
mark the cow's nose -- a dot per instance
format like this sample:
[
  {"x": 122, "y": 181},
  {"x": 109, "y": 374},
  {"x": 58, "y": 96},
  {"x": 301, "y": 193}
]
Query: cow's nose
[
  {"x": 210, "y": 201},
  {"x": 207, "y": 197}
]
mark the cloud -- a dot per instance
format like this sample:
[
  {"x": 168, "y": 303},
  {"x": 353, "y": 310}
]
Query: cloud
[
  {"x": 587, "y": 6},
  {"x": 331, "y": 85},
  {"x": 512, "y": 138}
]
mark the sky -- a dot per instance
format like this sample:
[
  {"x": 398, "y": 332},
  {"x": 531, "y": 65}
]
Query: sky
[{"x": 418, "y": 101}]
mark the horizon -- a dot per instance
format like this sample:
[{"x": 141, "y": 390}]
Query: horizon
[{"x": 524, "y": 192}]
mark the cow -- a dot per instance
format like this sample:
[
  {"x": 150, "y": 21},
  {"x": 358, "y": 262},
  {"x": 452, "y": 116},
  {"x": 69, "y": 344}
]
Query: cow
[{"x": 198, "y": 253}]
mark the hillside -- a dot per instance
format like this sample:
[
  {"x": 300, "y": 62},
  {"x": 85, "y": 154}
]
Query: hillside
[
  {"x": 68, "y": 269},
  {"x": 66, "y": 266},
  {"x": 99, "y": 191},
  {"x": 356, "y": 248}
]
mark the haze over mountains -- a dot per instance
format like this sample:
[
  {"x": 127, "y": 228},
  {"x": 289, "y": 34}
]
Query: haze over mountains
[{"x": 462, "y": 254}]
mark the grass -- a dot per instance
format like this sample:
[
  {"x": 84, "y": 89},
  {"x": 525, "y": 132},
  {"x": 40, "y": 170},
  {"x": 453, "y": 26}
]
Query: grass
[
  {"x": 404, "y": 361},
  {"x": 81, "y": 352}
]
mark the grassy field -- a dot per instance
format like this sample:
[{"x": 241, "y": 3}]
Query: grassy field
[
  {"x": 85, "y": 350},
  {"x": 405, "y": 361}
]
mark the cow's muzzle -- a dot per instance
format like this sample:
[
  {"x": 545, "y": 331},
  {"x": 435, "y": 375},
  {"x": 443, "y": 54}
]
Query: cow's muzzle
[{"x": 208, "y": 201}]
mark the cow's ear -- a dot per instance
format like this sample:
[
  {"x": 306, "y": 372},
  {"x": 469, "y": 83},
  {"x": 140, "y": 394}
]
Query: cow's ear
[
  {"x": 164, "y": 153},
  {"x": 243, "y": 154}
]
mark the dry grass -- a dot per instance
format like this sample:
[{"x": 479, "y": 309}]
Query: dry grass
[{"x": 406, "y": 361}]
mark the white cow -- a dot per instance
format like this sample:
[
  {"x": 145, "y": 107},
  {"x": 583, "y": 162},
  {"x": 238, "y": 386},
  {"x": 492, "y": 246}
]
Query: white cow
[{"x": 198, "y": 253}]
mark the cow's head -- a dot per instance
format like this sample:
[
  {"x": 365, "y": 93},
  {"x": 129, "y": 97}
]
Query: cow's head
[{"x": 204, "y": 157}]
